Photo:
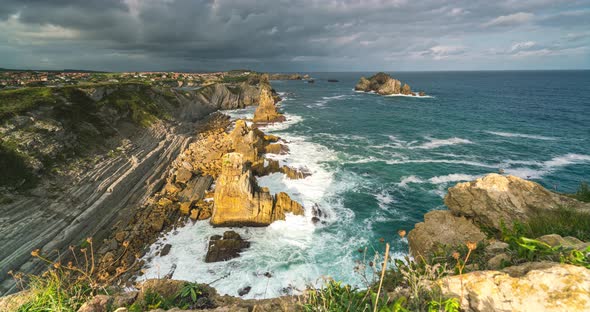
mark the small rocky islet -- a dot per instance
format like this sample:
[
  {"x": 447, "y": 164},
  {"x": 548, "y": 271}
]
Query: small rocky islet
[
  {"x": 211, "y": 175},
  {"x": 384, "y": 84}
]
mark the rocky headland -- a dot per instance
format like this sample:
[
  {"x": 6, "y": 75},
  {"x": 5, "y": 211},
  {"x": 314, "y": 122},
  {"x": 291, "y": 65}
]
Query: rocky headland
[
  {"x": 384, "y": 84},
  {"x": 103, "y": 161}
]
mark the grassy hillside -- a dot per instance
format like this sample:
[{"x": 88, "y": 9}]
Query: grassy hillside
[{"x": 42, "y": 127}]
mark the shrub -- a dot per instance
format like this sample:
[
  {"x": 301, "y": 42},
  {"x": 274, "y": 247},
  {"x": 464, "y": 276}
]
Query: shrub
[{"x": 583, "y": 192}]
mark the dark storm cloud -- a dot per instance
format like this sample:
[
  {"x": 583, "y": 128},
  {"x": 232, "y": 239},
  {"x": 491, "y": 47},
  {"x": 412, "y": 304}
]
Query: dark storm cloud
[{"x": 277, "y": 34}]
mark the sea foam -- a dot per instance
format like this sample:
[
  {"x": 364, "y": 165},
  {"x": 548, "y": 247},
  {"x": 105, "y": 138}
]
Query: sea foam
[{"x": 521, "y": 135}]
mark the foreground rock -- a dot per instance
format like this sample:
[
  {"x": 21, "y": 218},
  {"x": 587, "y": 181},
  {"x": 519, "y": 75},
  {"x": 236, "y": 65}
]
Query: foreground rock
[
  {"x": 383, "y": 84},
  {"x": 267, "y": 112},
  {"x": 441, "y": 227},
  {"x": 224, "y": 248},
  {"x": 494, "y": 199},
  {"x": 239, "y": 201},
  {"x": 487, "y": 202},
  {"x": 528, "y": 287}
]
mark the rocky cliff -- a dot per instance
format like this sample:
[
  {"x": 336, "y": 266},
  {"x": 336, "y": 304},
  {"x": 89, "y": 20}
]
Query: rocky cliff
[
  {"x": 383, "y": 84},
  {"x": 78, "y": 160}
]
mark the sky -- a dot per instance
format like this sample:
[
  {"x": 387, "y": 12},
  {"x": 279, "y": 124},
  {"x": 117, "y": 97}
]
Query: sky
[{"x": 295, "y": 35}]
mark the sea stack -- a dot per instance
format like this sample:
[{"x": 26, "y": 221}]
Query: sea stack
[
  {"x": 267, "y": 112},
  {"x": 383, "y": 84},
  {"x": 239, "y": 201}
]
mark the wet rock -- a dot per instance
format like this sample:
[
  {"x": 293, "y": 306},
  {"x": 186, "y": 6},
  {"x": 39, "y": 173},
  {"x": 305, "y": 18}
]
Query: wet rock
[
  {"x": 165, "y": 250},
  {"x": 276, "y": 148},
  {"x": 244, "y": 291},
  {"x": 295, "y": 174},
  {"x": 225, "y": 248}
]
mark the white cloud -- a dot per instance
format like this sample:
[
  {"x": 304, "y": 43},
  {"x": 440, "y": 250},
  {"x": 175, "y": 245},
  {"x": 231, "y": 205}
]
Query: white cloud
[
  {"x": 519, "y": 46},
  {"x": 440, "y": 52},
  {"x": 510, "y": 20}
]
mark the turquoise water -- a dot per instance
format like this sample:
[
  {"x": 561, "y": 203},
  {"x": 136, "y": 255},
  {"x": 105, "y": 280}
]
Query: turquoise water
[{"x": 379, "y": 163}]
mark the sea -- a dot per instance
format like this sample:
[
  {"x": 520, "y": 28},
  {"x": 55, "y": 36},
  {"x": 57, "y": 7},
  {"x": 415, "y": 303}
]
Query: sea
[{"x": 378, "y": 163}]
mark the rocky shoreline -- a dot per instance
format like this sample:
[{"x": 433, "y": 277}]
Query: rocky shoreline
[
  {"x": 117, "y": 187},
  {"x": 209, "y": 173}
]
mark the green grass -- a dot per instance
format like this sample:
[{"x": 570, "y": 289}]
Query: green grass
[
  {"x": 15, "y": 102},
  {"x": 583, "y": 193},
  {"x": 142, "y": 108},
  {"x": 15, "y": 171},
  {"x": 563, "y": 221},
  {"x": 81, "y": 117}
]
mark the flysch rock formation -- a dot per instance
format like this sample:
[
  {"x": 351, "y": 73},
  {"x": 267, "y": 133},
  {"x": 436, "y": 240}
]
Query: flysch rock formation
[
  {"x": 239, "y": 201},
  {"x": 383, "y": 84},
  {"x": 115, "y": 188},
  {"x": 186, "y": 190}
]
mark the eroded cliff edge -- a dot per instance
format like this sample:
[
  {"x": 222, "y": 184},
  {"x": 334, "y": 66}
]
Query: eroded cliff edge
[{"x": 78, "y": 160}]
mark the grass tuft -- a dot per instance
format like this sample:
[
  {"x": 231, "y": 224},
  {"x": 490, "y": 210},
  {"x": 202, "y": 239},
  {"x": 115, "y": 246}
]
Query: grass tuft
[{"x": 564, "y": 221}]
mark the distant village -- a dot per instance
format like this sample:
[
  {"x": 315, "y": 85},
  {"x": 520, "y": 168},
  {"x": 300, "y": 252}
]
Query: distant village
[{"x": 20, "y": 79}]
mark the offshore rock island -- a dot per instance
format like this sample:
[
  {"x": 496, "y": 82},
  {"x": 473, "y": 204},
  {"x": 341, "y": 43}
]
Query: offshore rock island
[{"x": 384, "y": 84}]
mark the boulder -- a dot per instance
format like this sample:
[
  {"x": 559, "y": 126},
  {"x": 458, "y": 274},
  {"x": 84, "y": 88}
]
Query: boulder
[
  {"x": 224, "y": 248},
  {"x": 441, "y": 227},
  {"x": 267, "y": 112},
  {"x": 528, "y": 287},
  {"x": 183, "y": 175},
  {"x": 568, "y": 242},
  {"x": 495, "y": 198},
  {"x": 238, "y": 201},
  {"x": 99, "y": 303},
  {"x": 294, "y": 174},
  {"x": 284, "y": 204},
  {"x": 276, "y": 148},
  {"x": 498, "y": 260}
]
